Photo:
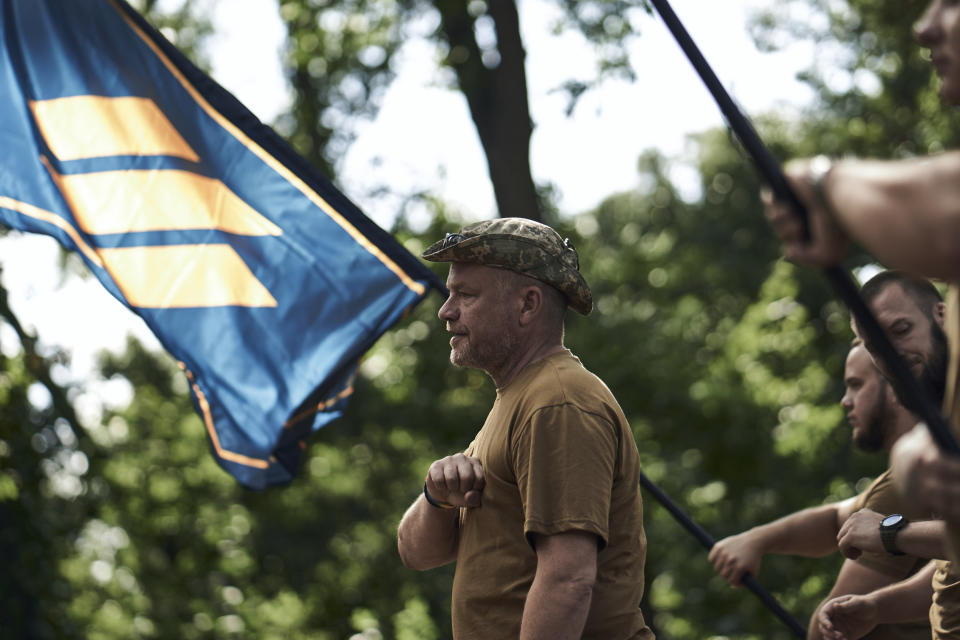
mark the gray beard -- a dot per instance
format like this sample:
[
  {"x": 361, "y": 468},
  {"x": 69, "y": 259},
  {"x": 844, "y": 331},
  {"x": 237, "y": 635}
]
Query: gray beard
[{"x": 491, "y": 358}]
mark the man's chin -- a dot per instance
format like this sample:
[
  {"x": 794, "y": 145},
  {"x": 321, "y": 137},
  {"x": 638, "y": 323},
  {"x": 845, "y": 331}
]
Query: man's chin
[
  {"x": 867, "y": 442},
  {"x": 916, "y": 369},
  {"x": 949, "y": 93},
  {"x": 461, "y": 359}
]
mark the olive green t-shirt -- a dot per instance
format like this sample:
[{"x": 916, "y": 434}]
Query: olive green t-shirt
[{"x": 558, "y": 455}]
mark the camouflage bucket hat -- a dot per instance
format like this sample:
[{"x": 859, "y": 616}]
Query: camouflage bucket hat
[{"x": 521, "y": 245}]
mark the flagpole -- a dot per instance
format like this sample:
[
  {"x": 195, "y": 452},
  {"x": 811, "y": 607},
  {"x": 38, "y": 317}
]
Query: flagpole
[
  {"x": 842, "y": 282},
  {"x": 707, "y": 541}
]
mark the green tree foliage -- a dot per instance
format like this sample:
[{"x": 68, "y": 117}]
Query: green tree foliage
[
  {"x": 876, "y": 86},
  {"x": 117, "y": 523},
  {"x": 341, "y": 61},
  {"x": 41, "y": 496}
]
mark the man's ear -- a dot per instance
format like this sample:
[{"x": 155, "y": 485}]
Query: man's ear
[
  {"x": 532, "y": 305},
  {"x": 939, "y": 313},
  {"x": 891, "y": 395}
]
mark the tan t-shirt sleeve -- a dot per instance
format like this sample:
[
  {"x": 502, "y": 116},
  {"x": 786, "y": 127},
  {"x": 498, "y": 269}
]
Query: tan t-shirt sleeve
[
  {"x": 565, "y": 460},
  {"x": 883, "y": 498},
  {"x": 951, "y": 400}
]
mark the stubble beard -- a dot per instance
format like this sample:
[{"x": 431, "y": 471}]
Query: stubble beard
[
  {"x": 871, "y": 438},
  {"x": 491, "y": 356},
  {"x": 933, "y": 378}
]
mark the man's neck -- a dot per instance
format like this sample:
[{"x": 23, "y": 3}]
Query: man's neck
[
  {"x": 504, "y": 377},
  {"x": 899, "y": 429}
]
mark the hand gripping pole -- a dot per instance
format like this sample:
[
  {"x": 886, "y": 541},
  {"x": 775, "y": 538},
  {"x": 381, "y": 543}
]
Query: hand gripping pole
[{"x": 707, "y": 541}]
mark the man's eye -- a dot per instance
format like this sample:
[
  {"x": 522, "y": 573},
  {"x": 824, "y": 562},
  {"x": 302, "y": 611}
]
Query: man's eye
[{"x": 899, "y": 329}]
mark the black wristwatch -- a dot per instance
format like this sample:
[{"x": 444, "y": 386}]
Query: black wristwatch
[{"x": 889, "y": 528}]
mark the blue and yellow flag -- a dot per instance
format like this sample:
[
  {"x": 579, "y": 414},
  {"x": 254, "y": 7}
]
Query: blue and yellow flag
[{"x": 263, "y": 280}]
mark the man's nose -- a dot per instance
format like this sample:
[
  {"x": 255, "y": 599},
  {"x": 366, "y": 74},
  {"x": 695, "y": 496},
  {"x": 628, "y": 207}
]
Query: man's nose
[
  {"x": 846, "y": 402},
  {"x": 925, "y": 29},
  {"x": 446, "y": 311}
]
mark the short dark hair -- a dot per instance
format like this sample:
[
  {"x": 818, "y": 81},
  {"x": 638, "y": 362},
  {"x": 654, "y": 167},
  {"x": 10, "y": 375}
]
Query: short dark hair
[{"x": 920, "y": 290}]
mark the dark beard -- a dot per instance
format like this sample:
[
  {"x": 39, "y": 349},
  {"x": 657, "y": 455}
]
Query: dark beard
[
  {"x": 933, "y": 378},
  {"x": 875, "y": 428}
]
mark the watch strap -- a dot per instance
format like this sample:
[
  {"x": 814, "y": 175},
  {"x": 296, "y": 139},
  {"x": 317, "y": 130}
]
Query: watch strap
[{"x": 888, "y": 536}]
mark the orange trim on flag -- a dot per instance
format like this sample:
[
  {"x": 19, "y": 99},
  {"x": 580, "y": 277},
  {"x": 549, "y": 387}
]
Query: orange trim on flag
[
  {"x": 48, "y": 216},
  {"x": 273, "y": 163},
  {"x": 223, "y": 453},
  {"x": 320, "y": 407},
  {"x": 208, "y": 421}
]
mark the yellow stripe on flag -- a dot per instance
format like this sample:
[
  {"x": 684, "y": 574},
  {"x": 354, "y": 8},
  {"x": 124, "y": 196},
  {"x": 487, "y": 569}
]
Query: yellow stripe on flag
[
  {"x": 153, "y": 200},
  {"x": 195, "y": 275},
  {"x": 275, "y": 164},
  {"x": 99, "y": 126}
]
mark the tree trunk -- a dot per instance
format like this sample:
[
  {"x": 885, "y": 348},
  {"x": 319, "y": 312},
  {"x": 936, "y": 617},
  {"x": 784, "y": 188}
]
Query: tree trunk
[{"x": 497, "y": 97}]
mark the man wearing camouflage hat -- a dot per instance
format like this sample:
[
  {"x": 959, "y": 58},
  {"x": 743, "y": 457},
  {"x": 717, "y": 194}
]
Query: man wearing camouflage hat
[{"x": 542, "y": 512}]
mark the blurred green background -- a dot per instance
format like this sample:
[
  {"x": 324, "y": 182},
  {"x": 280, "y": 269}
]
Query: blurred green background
[{"x": 726, "y": 361}]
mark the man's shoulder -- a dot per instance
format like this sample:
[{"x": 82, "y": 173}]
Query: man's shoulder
[
  {"x": 879, "y": 484},
  {"x": 564, "y": 390},
  {"x": 562, "y": 380},
  {"x": 882, "y": 496},
  {"x": 566, "y": 368}
]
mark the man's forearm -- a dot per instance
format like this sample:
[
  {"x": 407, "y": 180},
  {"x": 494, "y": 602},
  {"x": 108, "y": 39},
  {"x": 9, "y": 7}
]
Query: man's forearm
[
  {"x": 555, "y": 610},
  {"x": 906, "y": 601},
  {"x": 854, "y": 579},
  {"x": 924, "y": 539},
  {"x": 811, "y": 532},
  {"x": 427, "y": 536},
  {"x": 870, "y": 198}
]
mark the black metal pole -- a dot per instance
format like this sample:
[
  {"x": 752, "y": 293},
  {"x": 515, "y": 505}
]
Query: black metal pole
[
  {"x": 707, "y": 541},
  {"x": 842, "y": 282}
]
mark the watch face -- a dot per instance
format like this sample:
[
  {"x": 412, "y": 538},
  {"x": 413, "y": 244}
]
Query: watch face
[{"x": 891, "y": 520}]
